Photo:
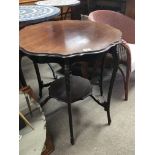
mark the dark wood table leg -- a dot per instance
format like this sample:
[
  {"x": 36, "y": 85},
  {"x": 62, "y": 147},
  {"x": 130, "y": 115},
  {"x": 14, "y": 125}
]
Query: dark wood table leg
[
  {"x": 101, "y": 74},
  {"x": 21, "y": 75},
  {"x": 40, "y": 82},
  {"x": 68, "y": 93},
  {"x": 54, "y": 76},
  {"x": 112, "y": 80},
  {"x": 106, "y": 104}
]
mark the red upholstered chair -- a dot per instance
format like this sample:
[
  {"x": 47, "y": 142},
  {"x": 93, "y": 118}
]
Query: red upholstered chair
[{"x": 127, "y": 49}]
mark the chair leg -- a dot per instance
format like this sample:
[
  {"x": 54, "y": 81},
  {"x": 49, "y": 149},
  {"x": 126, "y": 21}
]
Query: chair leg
[
  {"x": 126, "y": 80},
  {"x": 128, "y": 69},
  {"x": 28, "y": 104},
  {"x": 66, "y": 13},
  {"x": 28, "y": 90},
  {"x": 127, "y": 83}
]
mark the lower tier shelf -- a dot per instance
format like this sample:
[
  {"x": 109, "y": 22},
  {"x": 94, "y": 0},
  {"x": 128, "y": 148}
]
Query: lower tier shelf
[{"x": 79, "y": 89}]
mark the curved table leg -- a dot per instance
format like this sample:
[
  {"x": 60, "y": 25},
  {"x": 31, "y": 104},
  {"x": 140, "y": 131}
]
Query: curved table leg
[
  {"x": 106, "y": 104},
  {"x": 126, "y": 86},
  {"x": 55, "y": 77},
  {"x": 40, "y": 82},
  {"x": 22, "y": 78},
  {"x": 115, "y": 68},
  {"x": 101, "y": 74}
]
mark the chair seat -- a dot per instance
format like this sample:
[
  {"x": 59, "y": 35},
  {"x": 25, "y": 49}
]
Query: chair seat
[
  {"x": 79, "y": 89},
  {"x": 132, "y": 51}
]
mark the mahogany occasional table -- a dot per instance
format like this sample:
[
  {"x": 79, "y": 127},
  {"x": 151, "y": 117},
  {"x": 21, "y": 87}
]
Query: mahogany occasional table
[{"x": 67, "y": 42}]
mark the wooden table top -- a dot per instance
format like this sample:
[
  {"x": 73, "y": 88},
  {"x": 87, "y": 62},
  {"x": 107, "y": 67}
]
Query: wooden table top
[{"x": 68, "y": 38}]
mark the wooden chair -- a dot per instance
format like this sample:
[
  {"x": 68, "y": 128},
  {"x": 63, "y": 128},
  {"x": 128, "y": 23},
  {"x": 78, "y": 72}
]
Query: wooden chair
[
  {"x": 29, "y": 95},
  {"x": 127, "y": 49}
]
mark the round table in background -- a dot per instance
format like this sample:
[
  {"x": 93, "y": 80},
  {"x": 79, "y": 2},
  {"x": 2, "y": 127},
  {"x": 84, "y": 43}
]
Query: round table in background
[
  {"x": 61, "y": 4},
  {"x": 32, "y": 14}
]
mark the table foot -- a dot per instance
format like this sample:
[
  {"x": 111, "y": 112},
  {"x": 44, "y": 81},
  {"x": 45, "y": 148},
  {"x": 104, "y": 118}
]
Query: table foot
[
  {"x": 72, "y": 141},
  {"x": 109, "y": 118},
  {"x": 106, "y": 108}
]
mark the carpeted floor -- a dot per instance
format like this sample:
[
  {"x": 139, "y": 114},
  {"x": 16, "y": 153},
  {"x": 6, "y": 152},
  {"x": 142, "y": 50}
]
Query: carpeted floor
[{"x": 92, "y": 134}]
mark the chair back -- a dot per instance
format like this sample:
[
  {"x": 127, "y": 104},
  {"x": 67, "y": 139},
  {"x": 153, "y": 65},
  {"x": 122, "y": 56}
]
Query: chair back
[{"x": 117, "y": 20}]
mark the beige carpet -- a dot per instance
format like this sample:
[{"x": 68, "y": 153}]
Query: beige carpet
[{"x": 92, "y": 134}]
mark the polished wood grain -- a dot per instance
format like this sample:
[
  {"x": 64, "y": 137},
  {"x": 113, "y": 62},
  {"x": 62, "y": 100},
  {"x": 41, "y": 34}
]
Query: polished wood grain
[{"x": 67, "y": 37}]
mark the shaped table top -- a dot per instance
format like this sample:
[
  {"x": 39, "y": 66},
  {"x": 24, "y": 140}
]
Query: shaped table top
[{"x": 68, "y": 38}]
